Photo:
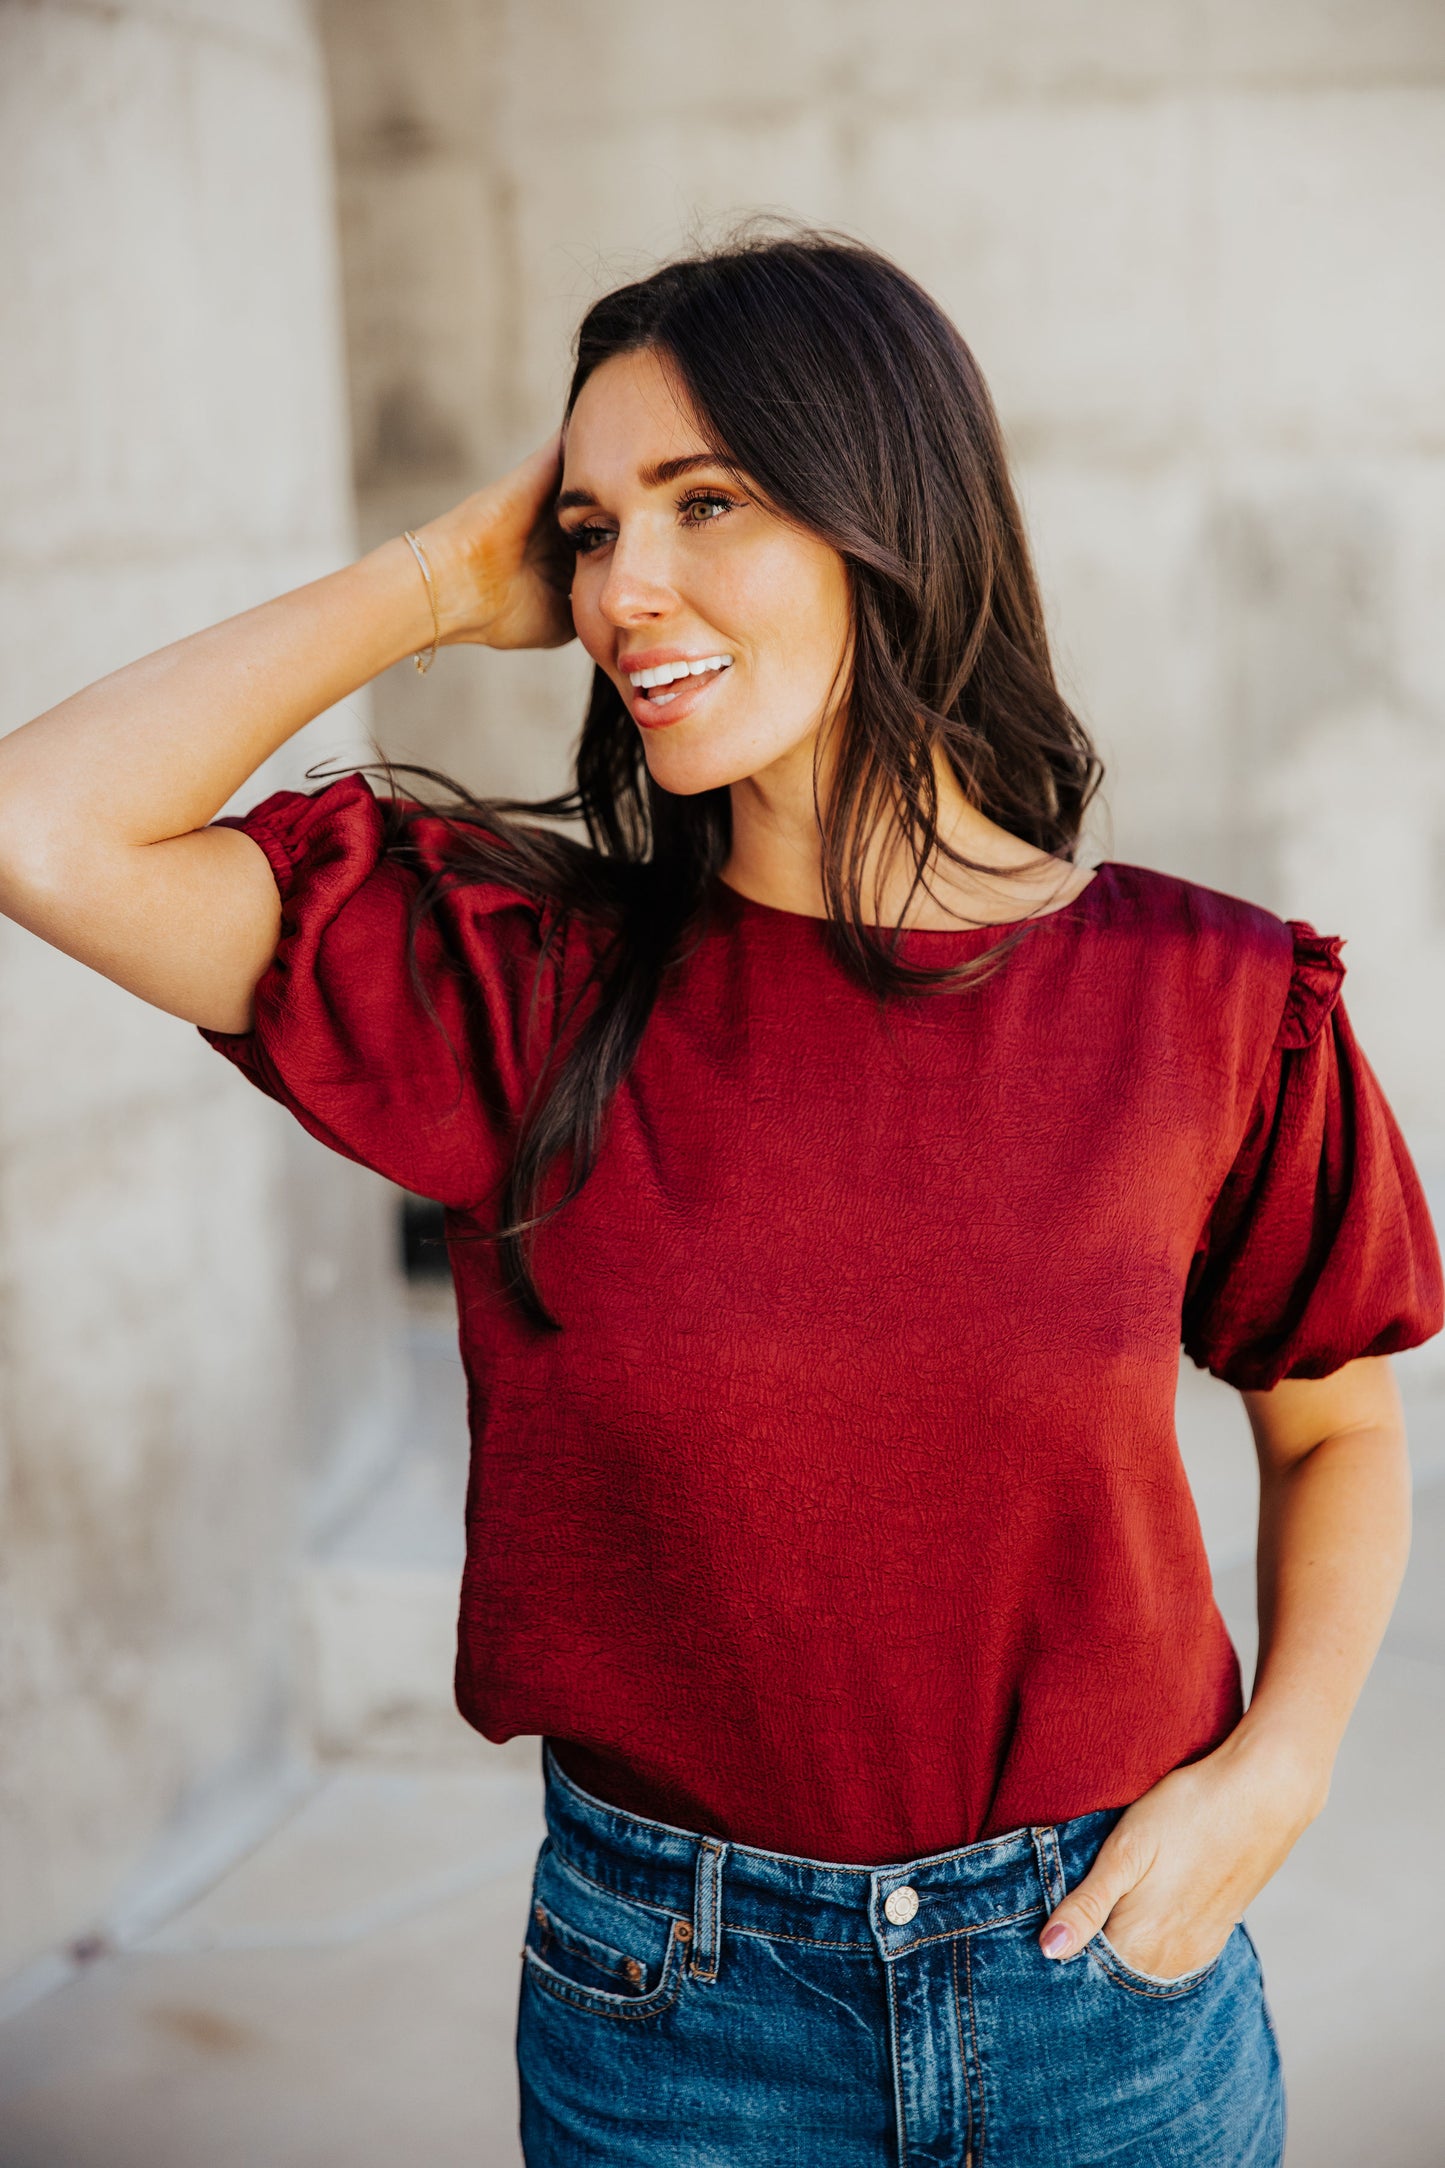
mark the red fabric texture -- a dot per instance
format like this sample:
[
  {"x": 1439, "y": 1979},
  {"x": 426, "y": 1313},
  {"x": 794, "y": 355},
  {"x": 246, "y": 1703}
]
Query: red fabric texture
[{"x": 845, "y": 1516}]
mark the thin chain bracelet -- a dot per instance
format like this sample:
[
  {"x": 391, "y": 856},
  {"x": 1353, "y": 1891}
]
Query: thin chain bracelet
[{"x": 424, "y": 662}]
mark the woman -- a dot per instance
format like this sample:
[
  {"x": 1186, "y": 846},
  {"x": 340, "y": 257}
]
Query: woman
[{"x": 832, "y": 1167}]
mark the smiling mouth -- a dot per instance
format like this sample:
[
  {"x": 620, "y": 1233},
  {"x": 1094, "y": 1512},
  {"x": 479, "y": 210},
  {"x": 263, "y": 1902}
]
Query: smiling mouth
[{"x": 660, "y": 686}]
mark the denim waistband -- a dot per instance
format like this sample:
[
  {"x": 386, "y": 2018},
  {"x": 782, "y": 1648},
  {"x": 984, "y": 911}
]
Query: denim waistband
[{"x": 708, "y": 1881}]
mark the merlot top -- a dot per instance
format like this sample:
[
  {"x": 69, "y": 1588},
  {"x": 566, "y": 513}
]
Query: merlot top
[{"x": 845, "y": 1515}]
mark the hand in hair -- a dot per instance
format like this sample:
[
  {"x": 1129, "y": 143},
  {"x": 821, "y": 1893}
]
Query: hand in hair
[{"x": 501, "y": 580}]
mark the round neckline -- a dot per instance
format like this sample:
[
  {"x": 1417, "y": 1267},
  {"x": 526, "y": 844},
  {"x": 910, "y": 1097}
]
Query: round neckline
[{"x": 744, "y": 903}]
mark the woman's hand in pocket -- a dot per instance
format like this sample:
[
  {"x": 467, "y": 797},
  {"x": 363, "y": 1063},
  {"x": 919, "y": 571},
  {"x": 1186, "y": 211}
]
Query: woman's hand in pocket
[{"x": 1179, "y": 1867}]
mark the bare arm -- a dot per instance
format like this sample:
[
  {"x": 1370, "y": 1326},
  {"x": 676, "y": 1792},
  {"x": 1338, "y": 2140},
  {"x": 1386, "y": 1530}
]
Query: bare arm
[
  {"x": 1179, "y": 1868},
  {"x": 104, "y": 800},
  {"x": 1334, "y": 1536}
]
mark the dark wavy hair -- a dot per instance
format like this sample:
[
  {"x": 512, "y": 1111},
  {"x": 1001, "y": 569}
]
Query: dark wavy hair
[{"x": 851, "y": 405}]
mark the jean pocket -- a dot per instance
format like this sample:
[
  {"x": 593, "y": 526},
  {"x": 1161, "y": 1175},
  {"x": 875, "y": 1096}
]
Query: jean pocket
[
  {"x": 599, "y": 1952},
  {"x": 1123, "y": 1974}
]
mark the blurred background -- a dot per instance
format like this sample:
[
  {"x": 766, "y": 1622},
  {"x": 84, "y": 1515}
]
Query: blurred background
[{"x": 279, "y": 281}]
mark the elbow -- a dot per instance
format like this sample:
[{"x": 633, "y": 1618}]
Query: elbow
[
  {"x": 53, "y": 865},
  {"x": 37, "y": 860},
  {"x": 53, "y": 824},
  {"x": 50, "y": 823}
]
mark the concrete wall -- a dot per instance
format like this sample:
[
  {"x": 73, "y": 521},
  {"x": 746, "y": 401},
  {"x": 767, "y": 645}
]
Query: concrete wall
[
  {"x": 1191, "y": 242},
  {"x": 173, "y": 448}
]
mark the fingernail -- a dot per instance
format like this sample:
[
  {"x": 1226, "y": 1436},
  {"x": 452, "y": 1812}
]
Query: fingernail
[{"x": 1055, "y": 1940}]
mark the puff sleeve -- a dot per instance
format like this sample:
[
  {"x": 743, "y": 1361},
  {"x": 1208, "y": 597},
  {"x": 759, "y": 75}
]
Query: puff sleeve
[
  {"x": 1319, "y": 1247},
  {"x": 415, "y": 1064}
]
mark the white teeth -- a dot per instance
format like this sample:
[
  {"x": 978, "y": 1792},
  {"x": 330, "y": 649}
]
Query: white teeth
[{"x": 666, "y": 672}]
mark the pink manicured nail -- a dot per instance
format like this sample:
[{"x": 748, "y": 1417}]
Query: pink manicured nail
[{"x": 1055, "y": 1940}]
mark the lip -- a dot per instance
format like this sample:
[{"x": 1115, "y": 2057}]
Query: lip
[
  {"x": 652, "y": 658},
  {"x": 685, "y": 694},
  {"x": 686, "y": 698}
]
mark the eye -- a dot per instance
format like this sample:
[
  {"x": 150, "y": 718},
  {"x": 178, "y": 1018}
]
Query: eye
[
  {"x": 703, "y": 507},
  {"x": 586, "y": 540}
]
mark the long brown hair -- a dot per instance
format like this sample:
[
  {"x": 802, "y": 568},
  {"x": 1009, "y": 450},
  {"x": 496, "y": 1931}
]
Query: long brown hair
[{"x": 850, "y": 403}]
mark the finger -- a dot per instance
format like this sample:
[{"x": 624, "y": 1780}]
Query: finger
[
  {"x": 533, "y": 482},
  {"x": 509, "y": 510},
  {"x": 1083, "y": 1912}
]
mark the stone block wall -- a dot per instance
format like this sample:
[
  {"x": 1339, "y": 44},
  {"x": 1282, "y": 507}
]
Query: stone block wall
[
  {"x": 1192, "y": 246},
  {"x": 194, "y": 1299}
]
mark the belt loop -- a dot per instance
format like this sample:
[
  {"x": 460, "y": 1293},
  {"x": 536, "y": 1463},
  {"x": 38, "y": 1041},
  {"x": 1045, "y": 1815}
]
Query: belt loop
[
  {"x": 707, "y": 1909},
  {"x": 1051, "y": 1866}
]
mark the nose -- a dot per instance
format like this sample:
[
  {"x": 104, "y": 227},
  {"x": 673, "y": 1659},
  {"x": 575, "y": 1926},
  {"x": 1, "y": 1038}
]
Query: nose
[{"x": 638, "y": 587}]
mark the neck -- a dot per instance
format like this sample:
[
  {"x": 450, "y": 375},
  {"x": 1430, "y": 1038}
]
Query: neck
[{"x": 777, "y": 856}]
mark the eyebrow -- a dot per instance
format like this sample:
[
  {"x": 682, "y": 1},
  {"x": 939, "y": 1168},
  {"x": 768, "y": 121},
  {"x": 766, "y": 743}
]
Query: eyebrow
[{"x": 654, "y": 477}]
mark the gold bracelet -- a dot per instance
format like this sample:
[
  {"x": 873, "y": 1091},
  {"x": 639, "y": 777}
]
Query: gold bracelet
[{"x": 424, "y": 662}]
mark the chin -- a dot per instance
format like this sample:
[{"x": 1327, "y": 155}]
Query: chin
[
  {"x": 686, "y": 764},
  {"x": 687, "y": 771}
]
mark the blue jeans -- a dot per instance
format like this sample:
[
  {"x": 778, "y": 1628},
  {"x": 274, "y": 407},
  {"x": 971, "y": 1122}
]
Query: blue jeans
[{"x": 698, "y": 2004}]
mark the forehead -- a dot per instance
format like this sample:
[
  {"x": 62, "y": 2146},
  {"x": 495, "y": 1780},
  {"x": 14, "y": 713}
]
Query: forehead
[{"x": 631, "y": 413}]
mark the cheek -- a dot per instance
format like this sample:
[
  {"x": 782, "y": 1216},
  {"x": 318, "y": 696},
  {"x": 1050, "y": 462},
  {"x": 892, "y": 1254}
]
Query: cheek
[
  {"x": 591, "y": 627},
  {"x": 792, "y": 598}
]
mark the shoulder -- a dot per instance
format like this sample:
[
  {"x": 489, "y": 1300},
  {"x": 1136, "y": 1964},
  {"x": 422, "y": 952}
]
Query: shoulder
[
  {"x": 1177, "y": 911},
  {"x": 1267, "y": 974}
]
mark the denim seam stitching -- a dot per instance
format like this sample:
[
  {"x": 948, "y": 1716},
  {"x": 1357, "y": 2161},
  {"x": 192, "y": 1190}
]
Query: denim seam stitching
[
  {"x": 962, "y": 2057},
  {"x": 1005, "y": 1919},
  {"x": 708, "y": 1926},
  {"x": 812, "y": 1942},
  {"x": 899, "y": 2110},
  {"x": 570, "y": 1938},
  {"x": 663, "y": 1911},
  {"x": 1051, "y": 1867},
  {"x": 586, "y": 1999},
  {"x": 1149, "y": 1990},
  {"x": 870, "y": 1949},
  {"x": 946, "y": 1934},
  {"x": 975, "y": 2159},
  {"x": 933, "y": 1859}
]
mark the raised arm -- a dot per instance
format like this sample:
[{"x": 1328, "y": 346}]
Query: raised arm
[{"x": 104, "y": 800}]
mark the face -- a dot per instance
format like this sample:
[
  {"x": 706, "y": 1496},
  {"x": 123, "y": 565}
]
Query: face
[{"x": 722, "y": 626}]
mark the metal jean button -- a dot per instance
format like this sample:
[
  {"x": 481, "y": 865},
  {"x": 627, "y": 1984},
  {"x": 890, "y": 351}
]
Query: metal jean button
[{"x": 900, "y": 1905}]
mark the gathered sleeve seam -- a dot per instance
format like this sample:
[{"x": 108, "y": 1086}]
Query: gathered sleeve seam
[
  {"x": 1316, "y": 979},
  {"x": 1268, "y": 1054},
  {"x": 1311, "y": 993}
]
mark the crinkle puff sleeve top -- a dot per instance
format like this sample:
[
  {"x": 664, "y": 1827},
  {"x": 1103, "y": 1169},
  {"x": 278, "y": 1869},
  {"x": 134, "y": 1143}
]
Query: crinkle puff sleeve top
[{"x": 845, "y": 1514}]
